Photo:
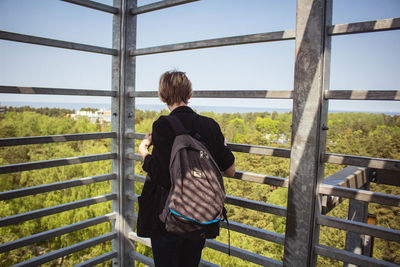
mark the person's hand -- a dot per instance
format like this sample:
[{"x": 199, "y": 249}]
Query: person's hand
[
  {"x": 148, "y": 137},
  {"x": 144, "y": 145}
]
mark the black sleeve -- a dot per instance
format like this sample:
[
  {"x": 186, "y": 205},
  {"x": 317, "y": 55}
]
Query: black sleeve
[
  {"x": 224, "y": 156},
  {"x": 157, "y": 163}
]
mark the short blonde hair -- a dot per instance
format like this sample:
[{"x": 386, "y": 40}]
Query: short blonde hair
[{"x": 174, "y": 88}]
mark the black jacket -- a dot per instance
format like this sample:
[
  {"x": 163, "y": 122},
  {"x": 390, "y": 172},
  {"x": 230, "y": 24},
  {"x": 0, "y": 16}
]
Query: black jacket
[{"x": 156, "y": 165}]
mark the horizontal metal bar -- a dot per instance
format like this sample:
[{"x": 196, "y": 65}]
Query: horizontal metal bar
[
  {"x": 137, "y": 178},
  {"x": 55, "y": 232},
  {"x": 237, "y": 227},
  {"x": 18, "y": 141},
  {"x": 260, "y": 150},
  {"x": 94, "y": 5},
  {"x": 366, "y": 26},
  {"x": 261, "y": 178},
  {"x": 254, "y": 232},
  {"x": 16, "y": 37},
  {"x": 387, "y": 177},
  {"x": 264, "y": 94},
  {"x": 134, "y": 156},
  {"x": 6, "y": 195},
  {"x": 204, "y": 263},
  {"x": 362, "y": 94},
  {"x": 358, "y": 227},
  {"x": 159, "y": 5},
  {"x": 133, "y": 197},
  {"x": 54, "y": 91},
  {"x": 251, "y": 149},
  {"x": 19, "y": 167},
  {"x": 256, "y": 205},
  {"x": 358, "y": 194},
  {"x": 246, "y": 176},
  {"x": 241, "y": 202},
  {"x": 242, "y": 254},
  {"x": 142, "y": 240},
  {"x": 352, "y": 177},
  {"x": 18, "y": 218},
  {"x": 143, "y": 259},
  {"x": 377, "y": 163},
  {"x": 99, "y": 259},
  {"x": 150, "y": 262},
  {"x": 132, "y": 135},
  {"x": 235, "y": 40},
  {"x": 349, "y": 257},
  {"x": 68, "y": 250}
]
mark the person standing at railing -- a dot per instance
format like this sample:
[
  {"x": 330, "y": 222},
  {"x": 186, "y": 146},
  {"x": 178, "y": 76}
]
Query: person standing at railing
[{"x": 169, "y": 249}]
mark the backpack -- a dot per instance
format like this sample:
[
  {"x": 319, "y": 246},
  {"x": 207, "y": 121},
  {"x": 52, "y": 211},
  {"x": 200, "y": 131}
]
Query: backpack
[{"x": 195, "y": 203}]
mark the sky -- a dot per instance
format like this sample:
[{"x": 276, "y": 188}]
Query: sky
[{"x": 368, "y": 61}]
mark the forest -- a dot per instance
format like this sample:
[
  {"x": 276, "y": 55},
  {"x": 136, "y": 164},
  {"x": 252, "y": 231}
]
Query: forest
[{"x": 364, "y": 134}]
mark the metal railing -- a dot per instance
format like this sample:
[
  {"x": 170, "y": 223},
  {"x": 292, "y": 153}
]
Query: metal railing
[
  {"x": 45, "y": 188},
  {"x": 307, "y": 187}
]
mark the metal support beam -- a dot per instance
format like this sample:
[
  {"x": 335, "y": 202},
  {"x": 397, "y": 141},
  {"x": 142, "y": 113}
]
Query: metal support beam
[
  {"x": 158, "y": 5},
  {"x": 363, "y": 94},
  {"x": 263, "y": 94},
  {"x": 242, "y": 254},
  {"x": 97, "y": 260},
  {"x": 366, "y": 26},
  {"x": 388, "y": 177},
  {"x": 10, "y": 36},
  {"x": 19, "y": 167},
  {"x": 55, "y": 232},
  {"x": 343, "y": 255},
  {"x": 308, "y": 139},
  {"x": 376, "y": 163},
  {"x": 23, "y": 217},
  {"x": 351, "y": 177},
  {"x": 53, "y": 91},
  {"x": 358, "y": 212},
  {"x": 39, "y": 189},
  {"x": 363, "y": 195},
  {"x": 123, "y": 81},
  {"x": 94, "y": 5},
  {"x": 67, "y": 250},
  {"x": 235, "y": 40},
  {"x": 18, "y": 141}
]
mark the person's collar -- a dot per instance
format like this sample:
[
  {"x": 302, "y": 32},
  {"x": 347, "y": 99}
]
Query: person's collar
[{"x": 181, "y": 109}]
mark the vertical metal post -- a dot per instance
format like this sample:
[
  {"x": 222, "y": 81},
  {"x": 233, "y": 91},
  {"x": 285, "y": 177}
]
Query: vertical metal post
[
  {"x": 358, "y": 211},
  {"x": 123, "y": 119},
  {"x": 308, "y": 131}
]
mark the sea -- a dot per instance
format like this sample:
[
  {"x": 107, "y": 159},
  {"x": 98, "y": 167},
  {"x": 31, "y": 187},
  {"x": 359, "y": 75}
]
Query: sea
[{"x": 154, "y": 107}]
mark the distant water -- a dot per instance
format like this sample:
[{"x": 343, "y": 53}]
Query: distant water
[
  {"x": 148, "y": 107},
  {"x": 144, "y": 107}
]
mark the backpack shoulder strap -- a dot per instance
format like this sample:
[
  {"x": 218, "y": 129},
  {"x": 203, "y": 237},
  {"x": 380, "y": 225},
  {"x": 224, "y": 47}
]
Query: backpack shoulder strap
[{"x": 176, "y": 125}]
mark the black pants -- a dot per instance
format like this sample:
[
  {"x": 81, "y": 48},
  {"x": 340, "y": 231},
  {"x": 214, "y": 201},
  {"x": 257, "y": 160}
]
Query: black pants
[{"x": 171, "y": 250}]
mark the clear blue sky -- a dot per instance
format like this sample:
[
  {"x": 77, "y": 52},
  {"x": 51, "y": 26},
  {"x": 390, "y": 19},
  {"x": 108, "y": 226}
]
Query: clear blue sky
[{"x": 362, "y": 61}]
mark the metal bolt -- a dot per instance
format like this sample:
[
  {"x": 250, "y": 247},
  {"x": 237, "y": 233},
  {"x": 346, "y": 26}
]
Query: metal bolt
[{"x": 130, "y": 135}]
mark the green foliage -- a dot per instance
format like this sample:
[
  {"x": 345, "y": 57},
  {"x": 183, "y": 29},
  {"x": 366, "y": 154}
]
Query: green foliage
[
  {"x": 28, "y": 123},
  {"x": 93, "y": 110},
  {"x": 374, "y": 135},
  {"x": 51, "y": 112}
]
